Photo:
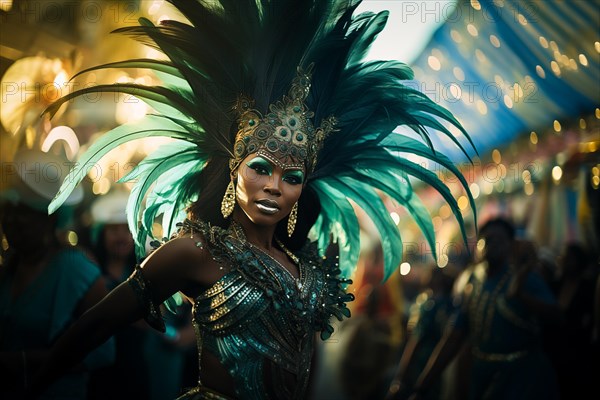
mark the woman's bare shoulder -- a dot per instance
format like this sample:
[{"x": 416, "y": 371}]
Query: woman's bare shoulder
[{"x": 182, "y": 264}]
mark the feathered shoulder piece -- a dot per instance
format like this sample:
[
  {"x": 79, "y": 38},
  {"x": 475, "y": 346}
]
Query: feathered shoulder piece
[{"x": 295, "y": 68}]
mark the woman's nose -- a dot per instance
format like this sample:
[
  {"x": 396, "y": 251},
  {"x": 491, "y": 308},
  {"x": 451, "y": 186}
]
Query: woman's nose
[{"x": 272, "y": 185}]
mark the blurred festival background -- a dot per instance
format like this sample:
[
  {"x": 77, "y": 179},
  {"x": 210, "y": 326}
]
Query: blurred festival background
[{"x": 523, "y": 77}]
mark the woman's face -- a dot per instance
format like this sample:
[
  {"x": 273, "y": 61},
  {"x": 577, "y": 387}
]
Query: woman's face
[{"x": 265, "y": 191}]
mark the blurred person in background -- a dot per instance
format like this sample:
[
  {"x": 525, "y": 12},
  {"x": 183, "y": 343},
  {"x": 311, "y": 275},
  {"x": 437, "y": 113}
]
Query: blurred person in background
[
  {"x": 547, "y": 267},
  {"x": 148, "y": 363},
  {"x": 113, "y": 248},
  {"x": 375, "y": 329},
  {"x": 113, "y": 245},
  {"x": 570, "y": 345},
  {"x": 44, "y": 285},
  {"x": 428, "y": 319},
  {"x": 503, "y": 308}
]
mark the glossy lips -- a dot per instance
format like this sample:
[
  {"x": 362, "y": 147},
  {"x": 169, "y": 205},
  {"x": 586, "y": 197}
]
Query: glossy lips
[{"x": 267, "y": 206}]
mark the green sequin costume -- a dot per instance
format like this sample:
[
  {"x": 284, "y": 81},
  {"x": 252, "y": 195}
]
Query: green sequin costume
[{"x": 258, "y": 319}]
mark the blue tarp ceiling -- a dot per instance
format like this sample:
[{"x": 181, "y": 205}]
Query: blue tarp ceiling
[{"x": 508, "y": 67}]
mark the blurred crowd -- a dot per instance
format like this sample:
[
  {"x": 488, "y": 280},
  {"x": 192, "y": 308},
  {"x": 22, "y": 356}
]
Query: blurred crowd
[
  {"x": 49, "y": 278},
  {"x": 513, "y": 321}
]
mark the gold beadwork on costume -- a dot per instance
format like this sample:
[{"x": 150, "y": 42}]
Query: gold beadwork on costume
[
  {"x": 260, "y": 309},
  {"x": 228, "y": 200},
  {"x": 291, "y": 225},
  {"x": 239, "y": 234},
  {"x": 287, "y": 251},
  {"x": 286, "y": 132}
]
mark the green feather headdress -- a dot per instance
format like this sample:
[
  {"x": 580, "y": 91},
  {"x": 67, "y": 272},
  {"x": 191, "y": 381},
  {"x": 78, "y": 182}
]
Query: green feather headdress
[{"x": 254, "y": 47}]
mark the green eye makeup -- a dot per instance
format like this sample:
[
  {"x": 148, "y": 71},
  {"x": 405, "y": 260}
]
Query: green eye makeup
[
  {"x": 294, "y": 177},
  {"x": 264, "y": 167},
  {"x": 261, "y": 166}
]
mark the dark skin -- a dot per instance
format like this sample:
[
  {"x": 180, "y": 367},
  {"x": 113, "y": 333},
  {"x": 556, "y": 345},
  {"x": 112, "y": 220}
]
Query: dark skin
[
  {"x": 259, "y": 180},
  {"x": 181, "y": 266}
]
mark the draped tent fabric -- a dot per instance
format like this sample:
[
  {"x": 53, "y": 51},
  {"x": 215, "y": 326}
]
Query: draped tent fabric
[
  {"x": 523, "y": 78},
  {"x": 506, "y": 67}
]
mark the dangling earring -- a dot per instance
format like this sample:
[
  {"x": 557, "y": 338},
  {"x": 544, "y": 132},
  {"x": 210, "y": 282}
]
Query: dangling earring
[
  {"x": 291, "y": 225},
  {"x": 228, "y": 200}
]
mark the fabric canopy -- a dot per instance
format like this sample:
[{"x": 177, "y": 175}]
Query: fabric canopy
[{"x": 508, "y": 67}]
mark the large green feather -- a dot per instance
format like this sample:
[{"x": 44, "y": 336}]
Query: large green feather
[
  {"x": 151, "y": 93},
  {"x": 166, "y": 67},
  {"x": 401, "y": 191},
  {"x": 336, "y": 210},
  {"x": 172, "y": 155},
  {"x": 431, "y": 179},
  {"x": 371, "y": 203},
  {"x": 147, "y": 127}
]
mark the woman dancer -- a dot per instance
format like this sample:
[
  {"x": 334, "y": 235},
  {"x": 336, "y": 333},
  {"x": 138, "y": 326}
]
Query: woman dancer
[{"x": 272, "y": 104}]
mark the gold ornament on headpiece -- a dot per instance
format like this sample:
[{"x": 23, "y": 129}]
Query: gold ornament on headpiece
[{"x": 286, "y": 132}]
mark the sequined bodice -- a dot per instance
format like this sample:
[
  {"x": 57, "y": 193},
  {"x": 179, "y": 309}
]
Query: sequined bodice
[{"x": 258, "y": 317}]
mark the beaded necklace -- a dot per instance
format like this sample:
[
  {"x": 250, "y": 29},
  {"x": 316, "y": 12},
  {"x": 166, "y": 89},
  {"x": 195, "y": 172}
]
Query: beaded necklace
[{"x": 240, "y": 235}]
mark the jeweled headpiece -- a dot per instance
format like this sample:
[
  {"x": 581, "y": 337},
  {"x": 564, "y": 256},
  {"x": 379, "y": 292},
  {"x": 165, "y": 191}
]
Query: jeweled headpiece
[
  {"x": 226, "y": 48},
  {"x": 285, "y": 132}
]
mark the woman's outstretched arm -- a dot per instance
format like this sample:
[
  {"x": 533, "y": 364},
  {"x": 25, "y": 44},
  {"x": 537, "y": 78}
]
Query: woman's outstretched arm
[
  {"x": 117, "y": 309},
  {"x": 169, "y": 270}
]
